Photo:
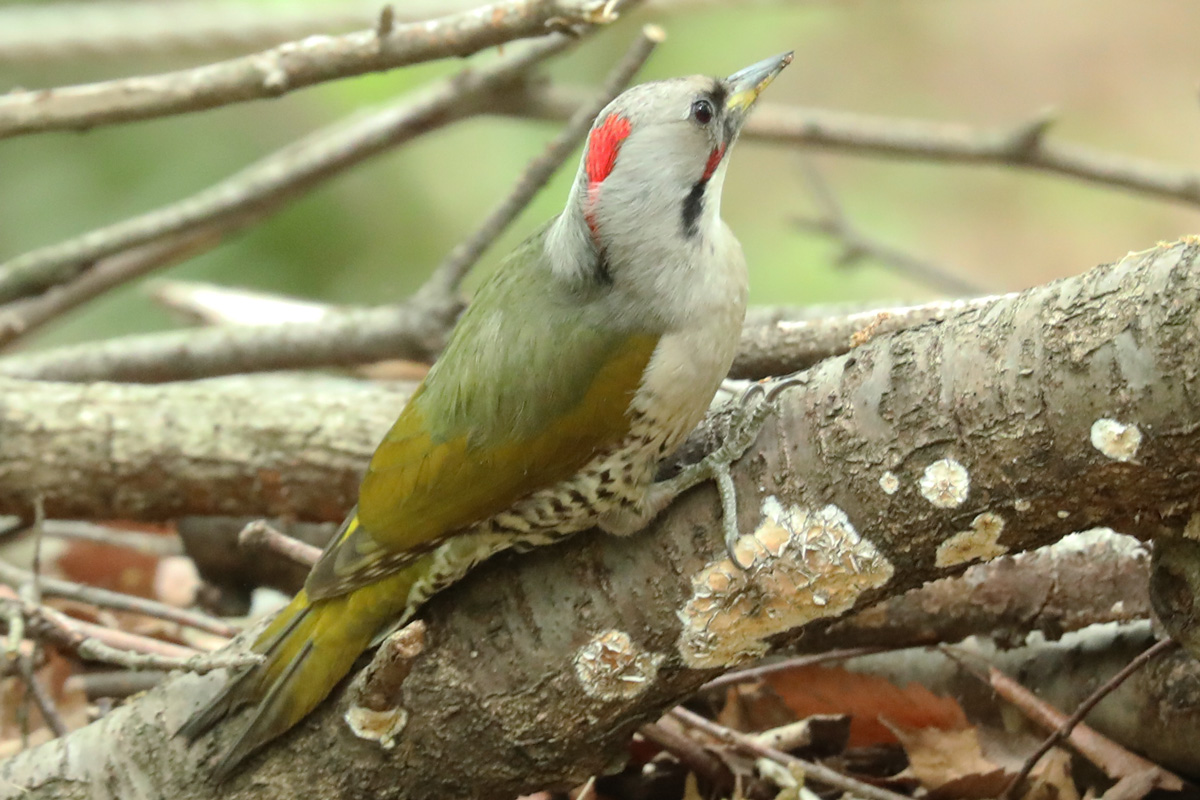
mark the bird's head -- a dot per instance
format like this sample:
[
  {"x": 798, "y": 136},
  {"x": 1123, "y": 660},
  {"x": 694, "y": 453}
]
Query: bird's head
[{"x": 655, "y": 159}]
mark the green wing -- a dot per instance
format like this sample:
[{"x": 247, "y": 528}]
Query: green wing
[{"x": 531, "y": 387}]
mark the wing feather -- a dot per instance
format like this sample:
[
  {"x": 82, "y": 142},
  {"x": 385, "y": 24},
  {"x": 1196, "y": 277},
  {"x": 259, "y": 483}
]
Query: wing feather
[{"x": 520, "y": 400}]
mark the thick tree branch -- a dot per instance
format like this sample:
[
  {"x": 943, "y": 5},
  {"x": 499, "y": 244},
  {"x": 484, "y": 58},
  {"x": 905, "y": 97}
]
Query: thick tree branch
[
  {"x": 1085, "y": 579},
  {"x": 234, "y": 446},
  {"x": 1066, "y": 407},
  {"x": 1025, "y": 145},
  {"x": 781, "y": 341},
  {"x": 291, "y": 66}
]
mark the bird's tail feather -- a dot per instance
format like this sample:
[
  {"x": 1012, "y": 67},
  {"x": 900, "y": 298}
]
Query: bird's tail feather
[{"x": 307, "y": 649}]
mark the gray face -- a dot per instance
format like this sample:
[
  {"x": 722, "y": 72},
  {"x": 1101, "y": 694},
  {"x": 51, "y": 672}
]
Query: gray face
[
  {"x": 657, "y": 148},
  {"x": 691, "y": 111},
  {"x": 648, "y": 190}
]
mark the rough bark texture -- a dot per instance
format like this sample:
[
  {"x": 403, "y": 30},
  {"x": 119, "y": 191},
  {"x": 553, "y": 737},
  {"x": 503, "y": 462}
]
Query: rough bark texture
[
  {"x": 292, "y": 447},
  {"x": 854, "y": 470},
  {"x": 1079, "y": 581}
]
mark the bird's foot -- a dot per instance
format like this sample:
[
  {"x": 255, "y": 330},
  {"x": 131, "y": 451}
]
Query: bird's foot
[{"x": 749, "y": 412}]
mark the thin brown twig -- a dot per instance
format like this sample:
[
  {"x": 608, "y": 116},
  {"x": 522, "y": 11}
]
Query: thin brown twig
[
  {"x": 34, "y": 33},
  {"x": 69, "y": 590},
  {"x": 1063, "y": 731},
  {"x": 346, "y": 338},
  {"x": 289, "y": 66},
  {"x": 129, "y": 650},
  {"x": 453, "y": 269},
  {"x": 22, "y": 317},
  {"x": 1024, "y": 145},
  {"x": 690, "y": 753},
  {"x": 264, "y": 186},
  {"x": 832, "y": 221},
  {"x": 259, "y": 534},
  {"x": 799, "y": 662},
  {"x": 812, "y": 770},
  {"x": 213, "y": 304},
  {"x": 412, "y": 330},
  {"x": 42, "y": 699},
  {"x": 588, "y": 791}
]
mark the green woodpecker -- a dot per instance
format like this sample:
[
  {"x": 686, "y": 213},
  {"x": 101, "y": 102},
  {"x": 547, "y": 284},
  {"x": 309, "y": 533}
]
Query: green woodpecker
[{"x": 585, "y": 360}]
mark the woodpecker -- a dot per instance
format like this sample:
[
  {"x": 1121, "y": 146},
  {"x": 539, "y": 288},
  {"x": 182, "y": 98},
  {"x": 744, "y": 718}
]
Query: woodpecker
[{"x": 584, "y": 361}]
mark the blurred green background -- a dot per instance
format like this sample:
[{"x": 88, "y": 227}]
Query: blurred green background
[{"x": 1121, "y": 73}]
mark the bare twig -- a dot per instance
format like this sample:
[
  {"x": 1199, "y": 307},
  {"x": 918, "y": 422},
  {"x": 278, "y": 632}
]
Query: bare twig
[
  {"x": 799, "y": 662},
  {"x": 345, "y": 338},
  {"x": 813, "y": 770},
  {"x": 98, "y": 643},
  {"x": 290, "y": 66},
  {"x": 1023, "y": 145},
  {"x": 41, "y": 698},
  {"x": 379, "y": 684},
  {"x": 212, "y": 304},
  {"x": 460, "y": 260},
  {"x": 689, "y": 752},
  {"x": 114, "y": 683},
  {"x": 775, "y": 344},
  {"x": 772, "y": 343},
  {"x": 69, "y": 590},
  {"x": 263, "y": 186},
  {"x": 25, "y": 316},
  {"x": 35, "y": 33},
  {"x": 414, "y": 330},
  {"x": 260, "y": 535},
  {"x": 1063, "y": 731},
  {"x": 856, "y": 244}
]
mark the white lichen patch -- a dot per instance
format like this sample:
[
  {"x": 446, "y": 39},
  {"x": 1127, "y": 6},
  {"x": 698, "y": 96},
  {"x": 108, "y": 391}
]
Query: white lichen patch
[
  {"x": 1116, "y": 440},
  {"x": 611, "y": 667},
  {"x": 803, "y": 564},
  {"x": 979, "y": 543},
  {"x": 889, "y": 482},
  {"x": 377, "y": 726},
  {"x": 945, "y": 483},
  {"x": 1094, "y": 540}
]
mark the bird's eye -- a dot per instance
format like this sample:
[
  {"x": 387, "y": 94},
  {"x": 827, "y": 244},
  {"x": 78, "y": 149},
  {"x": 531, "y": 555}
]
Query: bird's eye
[{"x": 702, "y": 111}]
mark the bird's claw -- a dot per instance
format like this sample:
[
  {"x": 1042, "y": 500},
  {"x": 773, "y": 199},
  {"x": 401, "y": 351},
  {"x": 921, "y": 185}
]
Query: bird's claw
[{"x": 748, "y": 415}]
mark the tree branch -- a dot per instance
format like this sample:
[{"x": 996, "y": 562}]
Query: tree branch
[
  {"x": 25, "y": 316},
  {"x": 291, "y": 66},
  {"x": 775, "y": 342},
  {"x": 901, "y": 462},
  {"x": 1025, "y": 145},
  {"x": 232, "y": 446},
  {"x": 266, "y": 184},
  {"x": 833, "y": 222}
]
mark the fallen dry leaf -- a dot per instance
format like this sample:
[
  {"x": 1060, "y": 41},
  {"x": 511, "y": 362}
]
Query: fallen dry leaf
[{"x": 867, "y": 699}]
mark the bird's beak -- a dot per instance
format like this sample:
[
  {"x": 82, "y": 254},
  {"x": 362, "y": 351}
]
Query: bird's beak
[{"x": 745, "y": 85}]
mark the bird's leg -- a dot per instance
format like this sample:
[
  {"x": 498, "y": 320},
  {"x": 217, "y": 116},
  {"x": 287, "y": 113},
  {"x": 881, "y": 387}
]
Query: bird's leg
[{"x": 753, "y": 406}]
